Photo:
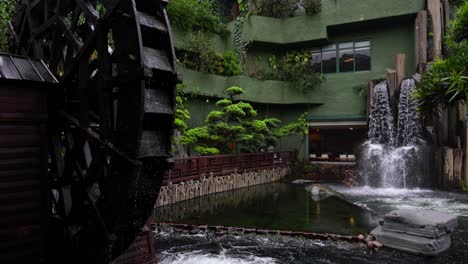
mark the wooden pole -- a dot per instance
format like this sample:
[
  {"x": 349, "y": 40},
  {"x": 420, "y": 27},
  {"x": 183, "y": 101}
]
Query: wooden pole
[
  {"x": 434, "y": 7},
  {"x": 457, "y": 168},
  {"x": 448, "y": 167},
  {"x": 421, "y": 40},
  {"x": 392, "y": 82},
  {"x": 400, "y": 67},
  {"x": 370, "y": 95}
]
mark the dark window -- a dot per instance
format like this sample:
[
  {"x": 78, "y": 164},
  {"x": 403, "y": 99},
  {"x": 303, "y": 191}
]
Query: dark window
[
  {"x": 343, "y": 57},
  {"x": 346, "y": 60},
  {"x": 329, "y": 61},
  {"x": 362, "y": 56},
  {"x": 317, "y": 61}
]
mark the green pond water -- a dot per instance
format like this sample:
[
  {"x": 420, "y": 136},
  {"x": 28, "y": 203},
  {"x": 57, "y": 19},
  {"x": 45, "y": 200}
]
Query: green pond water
[{"x": 278, "y": 206}]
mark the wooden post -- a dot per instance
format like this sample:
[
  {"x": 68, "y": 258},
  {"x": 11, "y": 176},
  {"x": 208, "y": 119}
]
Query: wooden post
[
  {"x": 452, "y": 126},
  {"x": 457, "y": 168},
  {"x": 434, "y": 7},
  {"x": 421, "y": 40},
  {"x": 400, "y": 67},
  {"x": 370, "y": 95},
  {"x": 392, "y": 82},
  {"x": 448, "y": 167}
]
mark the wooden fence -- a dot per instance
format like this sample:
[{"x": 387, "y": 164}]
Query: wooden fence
[{"x": 186, "y": 169}]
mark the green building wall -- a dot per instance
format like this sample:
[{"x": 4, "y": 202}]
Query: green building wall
[{"x": 389, "y": 25}]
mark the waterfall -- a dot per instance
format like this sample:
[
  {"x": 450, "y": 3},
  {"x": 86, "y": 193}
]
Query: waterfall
[
  {"x": 381, "y": 129},
  {"x": 394, "y": 157}
]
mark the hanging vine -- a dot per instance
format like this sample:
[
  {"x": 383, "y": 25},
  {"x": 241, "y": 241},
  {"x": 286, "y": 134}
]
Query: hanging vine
[{"x": 240, "y": 46}]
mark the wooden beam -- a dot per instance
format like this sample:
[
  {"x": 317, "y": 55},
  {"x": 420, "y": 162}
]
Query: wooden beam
[
  {"x": 370, "y": 95},
  {"x": 448, "y": 167},
  {"x": 421, "y": 40},
  {"x": 400, "y": 67},
  {"x": 466, "y": 151},
  {"x": 457, "y": 168},
  {"x": 435, "y": 10}
]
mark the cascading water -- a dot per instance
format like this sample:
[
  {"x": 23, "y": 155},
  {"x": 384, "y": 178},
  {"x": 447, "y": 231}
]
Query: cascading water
[{"x": 394, "y": 157}]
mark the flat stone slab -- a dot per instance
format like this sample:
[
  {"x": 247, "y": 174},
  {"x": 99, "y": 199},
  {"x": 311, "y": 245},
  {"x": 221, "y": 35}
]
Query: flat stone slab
[
  {"x": 419, "y": 222},
  {"x": 411, "y": 243}
]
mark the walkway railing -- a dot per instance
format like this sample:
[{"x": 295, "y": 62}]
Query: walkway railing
[{"x": 186, "y": 169}]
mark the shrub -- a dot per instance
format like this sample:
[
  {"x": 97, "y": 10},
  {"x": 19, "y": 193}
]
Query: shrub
[
  {"x": 312, "y": 6},
  {"x": 7, "y": 8},
  {"x": 200, "y": 56},
  {"x": 295, "y": 67},
  {"x": 194, "y": 15},
  {"x": 275, "y": 8}
]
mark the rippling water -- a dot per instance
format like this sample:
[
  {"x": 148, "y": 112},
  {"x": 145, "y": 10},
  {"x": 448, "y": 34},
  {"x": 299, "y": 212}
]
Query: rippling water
[{"x": 173, "y": 247}]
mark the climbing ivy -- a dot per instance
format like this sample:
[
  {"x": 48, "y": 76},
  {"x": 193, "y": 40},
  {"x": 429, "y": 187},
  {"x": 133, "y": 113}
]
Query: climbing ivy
[
  {"x": 7, "y": 8},
  {"x": 240, "y": 46}
]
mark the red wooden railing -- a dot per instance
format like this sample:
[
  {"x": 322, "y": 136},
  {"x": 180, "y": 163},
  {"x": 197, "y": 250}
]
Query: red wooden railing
[{"x": 186, "y": 169}]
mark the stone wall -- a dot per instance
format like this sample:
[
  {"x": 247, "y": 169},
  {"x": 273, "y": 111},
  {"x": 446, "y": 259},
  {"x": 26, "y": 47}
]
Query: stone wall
[{"x": 209, "y": 184}]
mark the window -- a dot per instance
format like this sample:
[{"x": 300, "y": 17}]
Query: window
[{"x": 342, "y": 57}]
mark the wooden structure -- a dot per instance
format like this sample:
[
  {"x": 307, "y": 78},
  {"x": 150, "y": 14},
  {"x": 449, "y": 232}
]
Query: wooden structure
[
  {"x": 110, "y": 120},
  {"x": 186, "y": 169},
  {"x": 24, "y": 84}
]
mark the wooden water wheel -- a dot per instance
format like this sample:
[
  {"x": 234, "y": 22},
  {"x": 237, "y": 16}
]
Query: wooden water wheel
[{"x": 110, "y": 123}]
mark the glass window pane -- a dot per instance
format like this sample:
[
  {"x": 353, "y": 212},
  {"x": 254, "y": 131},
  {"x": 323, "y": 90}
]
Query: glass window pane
[
  {"x": 329, "y": 61},
  {"x": 346, "y": 45},
  {"x": 362, "y": 44},
  {"x": 346, "y": 60},
  {"x": 330, "y": 47},
  {"x": 317, "y": 61},
  {"x": 362, "y": 57}
]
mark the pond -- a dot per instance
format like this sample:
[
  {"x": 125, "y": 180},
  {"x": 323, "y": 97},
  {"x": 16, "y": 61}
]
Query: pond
[{"x": 289, "y": 206}]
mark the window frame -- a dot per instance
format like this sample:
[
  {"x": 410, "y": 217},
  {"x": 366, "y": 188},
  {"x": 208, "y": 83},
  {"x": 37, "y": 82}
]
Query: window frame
[{"x": 337, "y": 50}]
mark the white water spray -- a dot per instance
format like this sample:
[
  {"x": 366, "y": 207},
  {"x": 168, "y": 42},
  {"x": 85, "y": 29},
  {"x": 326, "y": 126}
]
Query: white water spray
[{"x": 393, "y": 157}]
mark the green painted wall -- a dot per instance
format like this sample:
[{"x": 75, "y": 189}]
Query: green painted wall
[
  {"x": 334, "y": 12},
  {"x": 340, "y": 21}
]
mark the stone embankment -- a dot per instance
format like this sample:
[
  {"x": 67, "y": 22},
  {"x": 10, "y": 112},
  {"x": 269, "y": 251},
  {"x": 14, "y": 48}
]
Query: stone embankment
[{"x": 209, "y": 184}]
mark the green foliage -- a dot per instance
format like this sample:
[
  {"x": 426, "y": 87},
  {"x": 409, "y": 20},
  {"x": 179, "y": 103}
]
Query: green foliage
[
  {"x": 194, "y": 15},
  {"x": 235, "y": 122},
  {"x": 446, "y": 81},
  {"x": 275, "y": 8},
  {"x": 201, "y": 56},
  {"x": 464, "y": 186},
  {"x": 7, "y": 8},
  {"x": 295, "y": 67},
  {"x": 299, "y": 127},
  {"x": 312, "y": 6},
  {"x": 234, "y": 90},
  {"x": 182, "y": 113},
  {"x": 240, "y": 47},
  {"x": 231, "y": 64},
  {"x": 458, "y": 29}
]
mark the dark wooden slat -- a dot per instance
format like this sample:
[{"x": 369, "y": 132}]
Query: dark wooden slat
[{"x": 91, "y": 14}]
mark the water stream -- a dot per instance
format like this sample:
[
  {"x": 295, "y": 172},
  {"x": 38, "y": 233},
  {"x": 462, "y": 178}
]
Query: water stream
[
  {"x": 395, "y": 156},
  {"x": 261, "y": 206}
]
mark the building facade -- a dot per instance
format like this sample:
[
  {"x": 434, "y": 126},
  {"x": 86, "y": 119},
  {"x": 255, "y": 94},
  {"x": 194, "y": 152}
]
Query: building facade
[{"x": 350, "y": 42}]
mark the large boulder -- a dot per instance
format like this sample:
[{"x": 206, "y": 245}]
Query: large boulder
[
  {"x": 426, "y": 223},
  {"x": 423, "y": 232}
]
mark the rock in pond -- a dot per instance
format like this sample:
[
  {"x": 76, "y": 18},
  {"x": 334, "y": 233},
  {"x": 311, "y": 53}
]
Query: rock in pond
[{"x": 422, "y": 232}]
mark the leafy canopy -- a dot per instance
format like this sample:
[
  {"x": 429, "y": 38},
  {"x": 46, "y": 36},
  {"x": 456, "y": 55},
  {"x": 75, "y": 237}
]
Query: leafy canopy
[{"x": 236, "y": 122}]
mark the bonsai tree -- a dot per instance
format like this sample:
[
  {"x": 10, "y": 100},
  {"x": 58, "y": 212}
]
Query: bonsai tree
[{"x": 235, "y": 123}]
